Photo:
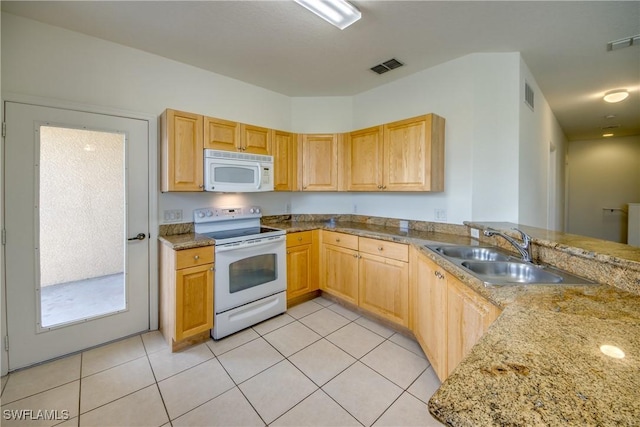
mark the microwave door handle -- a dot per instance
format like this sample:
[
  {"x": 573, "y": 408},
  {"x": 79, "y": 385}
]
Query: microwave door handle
[{"x": 259, "y": 184}]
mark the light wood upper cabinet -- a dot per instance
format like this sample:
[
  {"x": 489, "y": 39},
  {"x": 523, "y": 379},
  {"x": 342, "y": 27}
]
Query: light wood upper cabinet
[
  {"x": 363, "y": 160},
  {"x": 302, "y": 263},
  {"x": 285, "y": 160},
  {"x": 221, "y": 134},
  {"x": 414, "y": 154},
  {"x": 407, "y": 155},
  {"x": 227, "y": 135},
  {"x": 182, "y": 151},
  {"x": 255, "y": 139},
  {"x": 319, "y": 162}
]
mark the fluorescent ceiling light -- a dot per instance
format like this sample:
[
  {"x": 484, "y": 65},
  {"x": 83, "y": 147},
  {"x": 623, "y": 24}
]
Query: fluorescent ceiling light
[
  {"x": 337, "y": 12},
  {"x": 616, "y": 96}
]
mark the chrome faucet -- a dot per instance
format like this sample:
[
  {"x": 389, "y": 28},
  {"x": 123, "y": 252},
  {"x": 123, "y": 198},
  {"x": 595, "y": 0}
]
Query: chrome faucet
[{"x": 523, "y": 248}]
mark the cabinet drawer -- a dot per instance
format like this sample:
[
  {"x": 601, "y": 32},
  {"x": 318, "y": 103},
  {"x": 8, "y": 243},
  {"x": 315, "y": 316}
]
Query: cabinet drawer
[
  {"x": 300, "y": 238},
  {"x": 340, "y": 239},
  {"x": 192, "y": 257},
  {"x": 398, "y": 251}
]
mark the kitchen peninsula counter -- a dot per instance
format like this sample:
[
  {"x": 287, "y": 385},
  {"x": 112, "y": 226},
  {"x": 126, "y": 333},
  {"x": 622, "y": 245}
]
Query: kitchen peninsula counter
[{"x": 540, "y": 362}]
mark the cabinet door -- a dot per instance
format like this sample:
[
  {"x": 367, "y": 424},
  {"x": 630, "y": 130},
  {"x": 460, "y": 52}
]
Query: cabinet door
[
  {"x": 384, "y": 287},
  {"x": 468, "y": 318},
  {"x": 182, "y": 155},
  {"x": 429, "y": 312},
  {"x": 221, "y": 134},
  {"x": 299, "y": 265},
  {"x": 255, "y": 139},
  {"x": 320, "y": 162},
  {"x": 363, "y": 160},
  {"x": 413, "y": 158},
  {"x": 340, "y": 272},
  {"x": 285, "y": 157},
  {"x": 194, "y": 300}
]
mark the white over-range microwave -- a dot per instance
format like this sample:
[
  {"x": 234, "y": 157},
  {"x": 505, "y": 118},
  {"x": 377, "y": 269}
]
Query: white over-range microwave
[{"x": 228, "y": 171}]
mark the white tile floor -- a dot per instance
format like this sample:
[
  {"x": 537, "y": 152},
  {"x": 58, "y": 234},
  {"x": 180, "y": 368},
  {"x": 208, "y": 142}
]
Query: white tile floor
[{"x": 320, "y": 364}]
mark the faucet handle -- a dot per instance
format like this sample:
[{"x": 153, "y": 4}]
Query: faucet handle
[{"x": 525, "y": 237}]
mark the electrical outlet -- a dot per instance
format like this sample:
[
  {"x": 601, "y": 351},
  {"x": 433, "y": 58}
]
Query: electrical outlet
[
  {"x": 173, "y": 215},
  {"x": 475, "y": 233},
  {"x": 288, "y": 208},
  {"x": 441, "y": 214},
  {"x": 404, "y": 225}
]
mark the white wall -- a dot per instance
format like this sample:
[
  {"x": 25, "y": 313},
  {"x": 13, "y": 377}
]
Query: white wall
[
  {"x": 475, "y": 94},
  {"x": 541, "y": 183},
  {"x": 602, "y": 173},
  {"x": 73, "y": 67}
]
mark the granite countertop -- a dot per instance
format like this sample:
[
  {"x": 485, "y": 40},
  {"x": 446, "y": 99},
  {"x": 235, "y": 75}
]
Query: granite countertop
[{"x": 540, "y": 362}]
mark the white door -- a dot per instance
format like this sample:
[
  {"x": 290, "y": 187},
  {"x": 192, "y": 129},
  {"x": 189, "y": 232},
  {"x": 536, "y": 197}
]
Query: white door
[{"x": 76, "y": 219}]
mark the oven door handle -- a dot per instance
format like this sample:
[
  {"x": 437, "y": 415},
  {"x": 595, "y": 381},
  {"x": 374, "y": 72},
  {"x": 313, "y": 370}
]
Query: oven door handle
[{"x": 250, "y": 244}]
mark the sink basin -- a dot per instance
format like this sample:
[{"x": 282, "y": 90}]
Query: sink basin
[
  {"x": 472, "y": 252},
  {"x": 511, "y": 272}
]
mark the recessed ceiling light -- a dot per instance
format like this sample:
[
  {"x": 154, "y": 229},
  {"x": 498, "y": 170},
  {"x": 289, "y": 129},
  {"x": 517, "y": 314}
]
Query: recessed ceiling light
[
  {"x": 337, "y": 12},
  {"x": 607, "y": 135},
  {"x": 616, "y": 95}
]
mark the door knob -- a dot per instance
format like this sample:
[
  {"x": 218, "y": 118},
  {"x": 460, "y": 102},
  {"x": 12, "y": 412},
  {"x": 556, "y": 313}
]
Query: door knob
[{"x": 140, "y": 236}]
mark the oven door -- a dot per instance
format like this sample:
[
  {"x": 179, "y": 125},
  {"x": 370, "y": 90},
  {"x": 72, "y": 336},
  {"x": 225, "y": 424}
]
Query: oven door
[
  {"x": 232, "y": 175},
  {"x": 248, "y": 271}
]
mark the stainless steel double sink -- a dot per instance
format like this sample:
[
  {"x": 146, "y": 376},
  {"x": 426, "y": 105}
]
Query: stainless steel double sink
[{"x": 496, "y": 267}]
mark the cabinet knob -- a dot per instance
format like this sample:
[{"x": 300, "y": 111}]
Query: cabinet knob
[
  {"x": 288, "y": 252},
  {"x": 211, "y": 269},
  {"x": 201, "y": 186},
  {"x": 337, "y": 240},
  {"x": 196, "y": 257},
  {"x": 355, "y": 255},
  {"x": 380, "y": 248},
  {"x": 299, "y": 239},
  {"x": 379, "y": 187}
]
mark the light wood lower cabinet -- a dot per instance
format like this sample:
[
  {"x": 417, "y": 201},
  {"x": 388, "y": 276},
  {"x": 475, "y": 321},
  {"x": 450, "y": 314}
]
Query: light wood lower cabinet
[
  {"x": 370, "y": 273},
  {"x": 302, "y": 264},
  {"x": 186, "y": 295},
  {"x": 339, "y": 266},
  {"x": 384, "y": 279},
  {"x": 468, "y": 318},
  {"x": 448, "y": 318},
  {"x": 429, "y": 310}
]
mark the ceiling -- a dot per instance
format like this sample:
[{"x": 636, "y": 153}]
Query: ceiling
[{"x": 281, "y": 46}]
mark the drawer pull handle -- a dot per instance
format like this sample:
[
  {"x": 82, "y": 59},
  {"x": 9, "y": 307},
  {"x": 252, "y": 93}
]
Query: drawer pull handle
[
  {"x": 337, "y": 240},
  {"x": 196, "y": 257},
  {"x": 380, "y": 248},
  {"x": 299, "y": 239}
]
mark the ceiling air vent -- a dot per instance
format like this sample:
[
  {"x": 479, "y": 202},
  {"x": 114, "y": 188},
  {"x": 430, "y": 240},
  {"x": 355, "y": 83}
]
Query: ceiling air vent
[
  {"x": 528, "y": 95},
  {"x": 387, "y": 66}
]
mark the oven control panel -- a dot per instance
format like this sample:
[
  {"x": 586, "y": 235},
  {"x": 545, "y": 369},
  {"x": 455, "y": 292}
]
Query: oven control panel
[{"x": 223, "y": 214}]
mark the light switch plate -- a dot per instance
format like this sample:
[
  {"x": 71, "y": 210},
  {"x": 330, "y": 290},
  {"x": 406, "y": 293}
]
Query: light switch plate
[{"x": 440, "y": 214}]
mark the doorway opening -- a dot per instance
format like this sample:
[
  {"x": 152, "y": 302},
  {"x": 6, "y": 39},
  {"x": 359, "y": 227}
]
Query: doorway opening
[{"x": 81, "y": 212}]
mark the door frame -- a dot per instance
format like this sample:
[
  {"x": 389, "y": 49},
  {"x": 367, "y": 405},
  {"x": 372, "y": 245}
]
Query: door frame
[{"x": 153, "y": 182}]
